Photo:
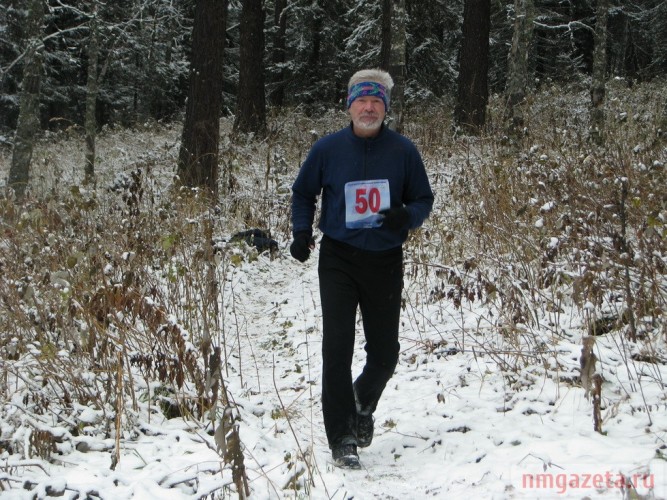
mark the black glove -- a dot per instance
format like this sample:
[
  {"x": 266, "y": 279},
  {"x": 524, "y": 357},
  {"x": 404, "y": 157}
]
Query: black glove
[
  {"x": 302, "y": 245},
  {"x": 395, "y": 219}
]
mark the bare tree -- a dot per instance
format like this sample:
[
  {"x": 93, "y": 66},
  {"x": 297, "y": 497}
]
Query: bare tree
[
  {"x": 90, "y": 122},
  {"x": 473, "y": 91},
  {"x": 101, "y": 55},
  {"x": 518, "y": 75},
  {"x": 28, "y": 120},
  {"x": 251, "y": 101},
  {"x": 392, "y": 55},
  {"x": 385, "y": 35},
  {"x": 278, "y": 56},
  {"x": 198, "y": 156},
  {"x": 598, "y": 83}
]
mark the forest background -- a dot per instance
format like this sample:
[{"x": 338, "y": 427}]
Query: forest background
[{"x": 134, "y": 57}]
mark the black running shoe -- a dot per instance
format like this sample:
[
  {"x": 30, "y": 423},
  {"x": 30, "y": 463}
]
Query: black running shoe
[
  {"x": 345, "y": 456},
  {"x": 365, "y": 428}
]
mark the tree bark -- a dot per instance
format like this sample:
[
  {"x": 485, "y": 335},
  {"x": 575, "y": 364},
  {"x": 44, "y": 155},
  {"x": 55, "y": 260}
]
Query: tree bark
[
  {"x": 598, "y": 84},
  {"x": 518, "y": 75},
  {"x": 90, "y": 121},
  {"x": 659, "y": 28},
  {"x": 473, "y": 92},
  {"x": 28, "y": 120},
  {"x": 198, "y": 156},
  {"x": 251, "y": 104},
  {"x": 385, "y": 35},
  {"x": 392, "y": 56},
  {"x": 277, "y": 95}
]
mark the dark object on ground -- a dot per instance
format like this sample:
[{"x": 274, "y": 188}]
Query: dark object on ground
[{"x": 257, "y": 238}]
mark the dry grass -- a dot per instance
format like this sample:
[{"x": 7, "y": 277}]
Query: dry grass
[{"x": 114, "y": 294}]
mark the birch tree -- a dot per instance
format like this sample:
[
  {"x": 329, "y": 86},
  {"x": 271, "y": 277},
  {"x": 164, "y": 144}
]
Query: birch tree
[
  {"x": 598, "y": 83},
  {"x": 392, "y": 55},
  {"x": 90, "y": 122},
  {"x": 518, "y": 75}
]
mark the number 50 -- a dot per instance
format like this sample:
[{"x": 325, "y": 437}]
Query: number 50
[{"x": 367, "y": 199}]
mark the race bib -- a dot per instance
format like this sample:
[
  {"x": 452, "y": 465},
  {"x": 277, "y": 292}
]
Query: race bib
[{"x": 363, "y": 201}]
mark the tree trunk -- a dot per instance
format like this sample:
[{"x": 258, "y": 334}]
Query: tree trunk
[
  {"x": 518, "y": 76},
  {"x": 314, "y": 64},
  {"x": 28, "y": 121},
  {"x": 198, "y": 156},
  {"x": 473, "y": 92},
  {"x": 251, "y": 104},
  {"x": 598, "y": 83},
  {"x": 90, "y": 122},
  {"x": 659, "y": 29},
  {"x": 278, "y": 58},
  {"x": 397, "y": 63},
  {"x": 385, "y": 35}
]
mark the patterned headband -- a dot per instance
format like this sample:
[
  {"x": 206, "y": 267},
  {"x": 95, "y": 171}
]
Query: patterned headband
[{"x": 367, "y": 88}]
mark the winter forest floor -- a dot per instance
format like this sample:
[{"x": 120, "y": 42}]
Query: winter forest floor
[{"x": 537, "y": 247}]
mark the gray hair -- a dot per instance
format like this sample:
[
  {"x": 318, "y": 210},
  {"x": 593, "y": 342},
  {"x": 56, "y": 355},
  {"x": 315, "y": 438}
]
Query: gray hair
[{"x": 372, "y": 75}]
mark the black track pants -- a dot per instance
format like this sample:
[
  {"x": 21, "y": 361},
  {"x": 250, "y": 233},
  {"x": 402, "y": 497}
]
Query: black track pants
[{"x": 372, "y": 281}]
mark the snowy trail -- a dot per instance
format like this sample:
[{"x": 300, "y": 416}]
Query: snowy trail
[
  {"x": 296, "y": 365},
  {"x": 450, "y": 424}
]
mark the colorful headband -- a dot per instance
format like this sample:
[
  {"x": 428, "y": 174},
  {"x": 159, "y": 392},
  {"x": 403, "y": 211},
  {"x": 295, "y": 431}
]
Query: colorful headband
[{"x": 367, "y": 88}]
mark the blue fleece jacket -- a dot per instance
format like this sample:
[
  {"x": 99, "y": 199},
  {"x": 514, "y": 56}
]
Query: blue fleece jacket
[{"x": 342, "y": 158}]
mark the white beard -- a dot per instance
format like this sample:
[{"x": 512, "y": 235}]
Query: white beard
[{"x": 368, "y": 125}]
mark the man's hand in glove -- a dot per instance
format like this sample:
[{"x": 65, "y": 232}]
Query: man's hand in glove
[
  {"x": 302, "y": 245},
  {"x": 395, "y": 219}
]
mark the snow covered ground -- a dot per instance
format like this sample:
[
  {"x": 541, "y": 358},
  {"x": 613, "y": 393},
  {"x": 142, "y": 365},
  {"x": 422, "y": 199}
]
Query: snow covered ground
[{"x": 449, "y": 425}]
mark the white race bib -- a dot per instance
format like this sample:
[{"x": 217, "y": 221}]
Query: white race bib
[{"x": 363, "y": 201}]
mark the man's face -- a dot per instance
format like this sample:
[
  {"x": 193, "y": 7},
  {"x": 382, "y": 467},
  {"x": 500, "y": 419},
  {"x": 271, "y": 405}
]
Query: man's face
[{"x": 367, "y": 113}]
